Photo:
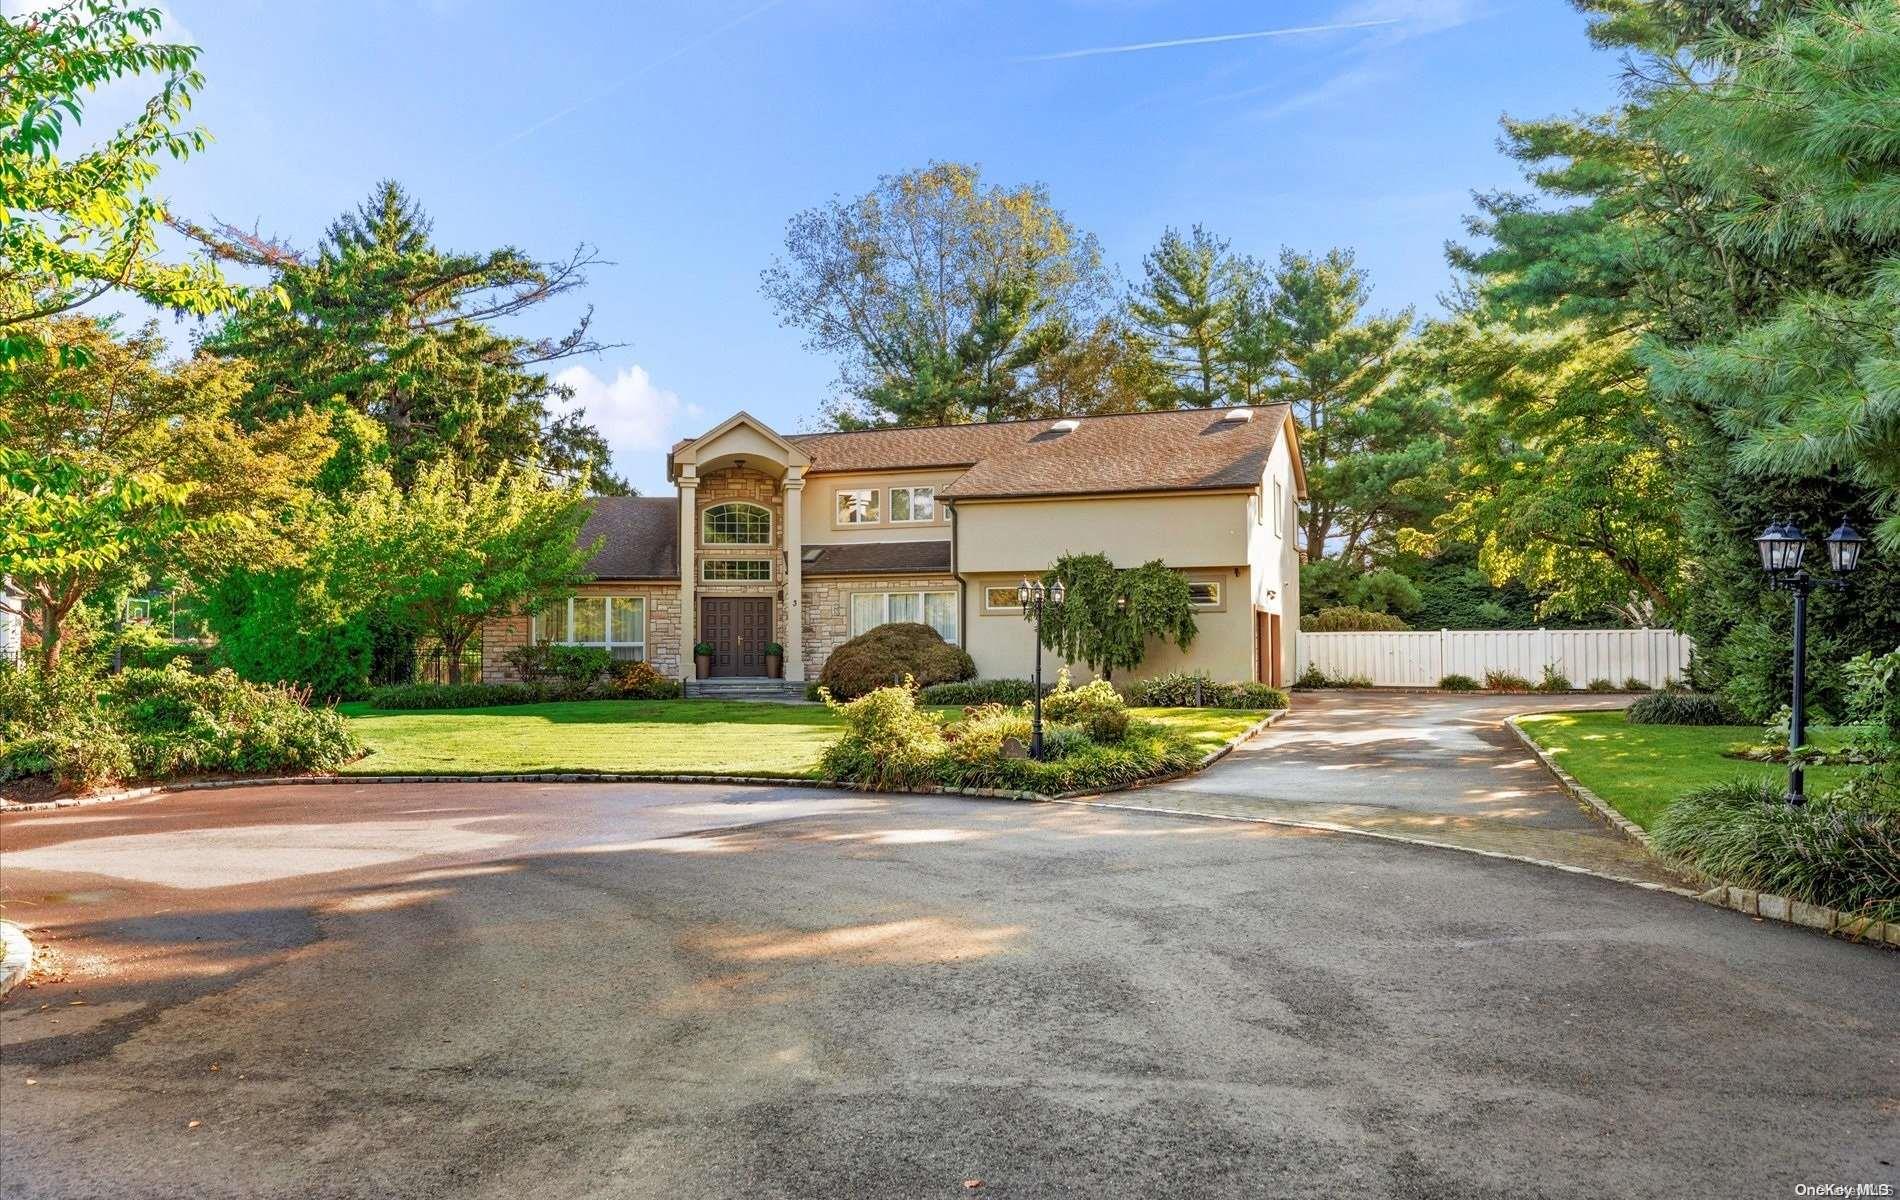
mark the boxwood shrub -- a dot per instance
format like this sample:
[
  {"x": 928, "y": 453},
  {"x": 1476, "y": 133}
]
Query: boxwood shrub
[
  {"x": 980, "y": 691},
  {"x": 1176, "y": 689},
  {"x": 622, "y": 681}
]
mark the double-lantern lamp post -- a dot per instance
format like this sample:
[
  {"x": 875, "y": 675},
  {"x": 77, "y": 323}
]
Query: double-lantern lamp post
[
  {"x": 1781, "y": 546},
  {"x": 1035, "y": 598}
]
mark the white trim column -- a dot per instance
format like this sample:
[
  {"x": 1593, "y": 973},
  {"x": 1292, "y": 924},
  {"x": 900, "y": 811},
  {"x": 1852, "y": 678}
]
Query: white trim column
[
  {"x": 792, "y": 505},
  {"x": 689, "y": 566}
]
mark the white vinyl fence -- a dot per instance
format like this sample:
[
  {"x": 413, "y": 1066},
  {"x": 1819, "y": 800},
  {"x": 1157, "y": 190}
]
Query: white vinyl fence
[{"x": 1421, "y": 658}]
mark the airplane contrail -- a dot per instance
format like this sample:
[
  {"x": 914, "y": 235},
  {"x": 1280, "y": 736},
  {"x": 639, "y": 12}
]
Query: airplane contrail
[
  {"x": 647, "y": 69},
  {"x": 1204, "y": 41}
]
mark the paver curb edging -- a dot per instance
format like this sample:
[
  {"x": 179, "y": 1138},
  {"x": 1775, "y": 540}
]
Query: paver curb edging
[
  {"x": 201, "y": 785},
  {"x": 1583, "y": 795},
  {"x": 16, "y": 956},
  {"x": 1721, "y": 895}
]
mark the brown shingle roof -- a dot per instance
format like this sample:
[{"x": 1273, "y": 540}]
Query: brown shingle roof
[
  {"x": 1180, "y": 450},
  {"x": 879, "y": 558},
  {"x": 639, "y": 537}
]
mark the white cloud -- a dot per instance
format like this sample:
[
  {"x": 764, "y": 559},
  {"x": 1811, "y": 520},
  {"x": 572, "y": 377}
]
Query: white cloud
[{"x": 636, "y": 417}]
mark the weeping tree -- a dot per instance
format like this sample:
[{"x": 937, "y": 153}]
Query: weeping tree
[{"x": 1110, "y": 615}]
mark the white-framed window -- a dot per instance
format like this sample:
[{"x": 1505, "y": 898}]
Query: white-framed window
[
  {"x": 858, "y": 506},
  {"x": 617, "y": 624},
  {"x": 1204, "y": 593},
  {"x": 736, "y": 570},
  {"x": 935, "y": 609},
  {"x": 1002, "y": 598},
  {"x": 736, "y": 523},
  {"x": 913, "y": 505},
  {"x": 1279, "y": 507}
]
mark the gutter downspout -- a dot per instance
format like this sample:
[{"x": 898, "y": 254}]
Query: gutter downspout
[{"x": 963, "y": 595}]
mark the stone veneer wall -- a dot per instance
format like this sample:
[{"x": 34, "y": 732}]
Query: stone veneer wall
[
  {"x": 758, "y": 488},
  {"x": 828, "y": 609},
  {"x": 503, "y": 634}
]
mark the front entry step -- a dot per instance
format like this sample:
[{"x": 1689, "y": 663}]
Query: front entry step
[{"x": 744, "y": 688}]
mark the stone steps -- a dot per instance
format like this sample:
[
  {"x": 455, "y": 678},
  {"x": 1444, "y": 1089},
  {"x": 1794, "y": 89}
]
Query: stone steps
[{"x": 744, "y": 689}]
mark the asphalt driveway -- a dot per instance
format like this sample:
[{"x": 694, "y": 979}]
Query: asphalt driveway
[
  {"x": 587, "y": 990},
  {"x": 1422, "y": 752}
]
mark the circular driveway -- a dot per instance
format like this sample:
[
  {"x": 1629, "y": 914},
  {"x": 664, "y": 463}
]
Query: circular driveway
[{"x": 505, "y": 990}]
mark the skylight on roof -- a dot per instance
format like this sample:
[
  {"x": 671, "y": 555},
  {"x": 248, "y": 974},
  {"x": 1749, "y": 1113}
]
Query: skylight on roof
[
  {"x": 1065, "y": 425},
  {"x": 1237, "y": 415}
]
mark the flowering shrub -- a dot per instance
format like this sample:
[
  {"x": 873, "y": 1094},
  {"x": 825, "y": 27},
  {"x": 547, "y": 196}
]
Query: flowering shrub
[{"x": 888, "y": 742}]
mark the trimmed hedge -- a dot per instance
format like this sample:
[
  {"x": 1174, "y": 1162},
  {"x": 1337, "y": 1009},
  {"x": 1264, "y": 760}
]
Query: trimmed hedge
[
  {"x": 1346, "y": 619},
  {"x": 498, "y": 695},
  {"x": 980, "y": 691},
  {"x": 1176, "y": 689},
  {"x": 1679, "y": 708},
  {"x": 891, "y": 653},
  {"x": 1458, "y": 683}
]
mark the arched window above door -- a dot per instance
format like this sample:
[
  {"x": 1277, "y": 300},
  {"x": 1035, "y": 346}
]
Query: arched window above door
[{"x": 736, "y": 523}]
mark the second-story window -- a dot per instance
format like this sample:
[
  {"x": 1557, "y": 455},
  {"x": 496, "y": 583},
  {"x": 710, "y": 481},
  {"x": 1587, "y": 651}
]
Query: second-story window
[
  {"x": 737, "y": 524},
  {"x": 913, "y": 504},
  {"x": 858, "y": 506}
]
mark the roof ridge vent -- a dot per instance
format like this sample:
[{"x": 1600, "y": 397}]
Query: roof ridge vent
[
  {"x": 1237, "y": 415},
  {"x": 1065, "y": 425}
]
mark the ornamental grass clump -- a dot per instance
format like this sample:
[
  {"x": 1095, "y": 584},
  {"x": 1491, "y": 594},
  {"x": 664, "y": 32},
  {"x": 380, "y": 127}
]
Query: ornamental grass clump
[
  {"x": 1678, "y": 708},
  {"x": 1837, "y": 850}
]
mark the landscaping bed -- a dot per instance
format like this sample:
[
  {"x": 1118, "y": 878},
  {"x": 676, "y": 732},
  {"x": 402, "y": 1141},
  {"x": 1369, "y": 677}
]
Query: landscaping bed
[
  {"x": 1723, "y": 817},
  {"x": 658, "y": 737}
]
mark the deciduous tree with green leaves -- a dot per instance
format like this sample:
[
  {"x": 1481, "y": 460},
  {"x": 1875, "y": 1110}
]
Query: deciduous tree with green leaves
[
  {"x": 457, "y": 548},
  {"x": 935, "y": 292},
  {"x": 144, "y": 469}
]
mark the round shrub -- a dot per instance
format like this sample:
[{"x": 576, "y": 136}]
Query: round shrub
[
  {"x": 873, "y": 660},
  {"x": 1073, "y": 704},
  {"x": 1105, "y": 726},
  {"x": 1678, "y": 708},
  {"x": 1458, "y": 683}
]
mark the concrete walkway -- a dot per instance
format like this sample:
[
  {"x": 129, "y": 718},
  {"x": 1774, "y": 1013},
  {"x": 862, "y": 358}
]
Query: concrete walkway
[{"x": 1432, "y": 769}]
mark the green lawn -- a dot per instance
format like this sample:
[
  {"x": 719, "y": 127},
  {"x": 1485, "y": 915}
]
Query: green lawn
[
  {"x": 693, "y": 737},
  {"x": 1642, "y": 769}
]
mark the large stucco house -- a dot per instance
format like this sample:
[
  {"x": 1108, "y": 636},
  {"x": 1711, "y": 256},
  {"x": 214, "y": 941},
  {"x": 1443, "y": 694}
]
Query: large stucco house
[{"x": 810, "y": 539}]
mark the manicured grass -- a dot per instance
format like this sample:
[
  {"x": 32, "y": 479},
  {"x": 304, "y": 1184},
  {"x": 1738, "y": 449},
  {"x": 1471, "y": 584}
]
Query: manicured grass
[
  {"x": 1642, "y": 769},
  {"x": 660, "y": 737}
]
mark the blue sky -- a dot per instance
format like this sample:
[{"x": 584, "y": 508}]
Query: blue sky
[{"x": 679, "y": 137}]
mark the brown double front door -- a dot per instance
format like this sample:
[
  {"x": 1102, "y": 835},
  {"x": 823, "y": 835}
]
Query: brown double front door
[{"x": 738, "y": 628}]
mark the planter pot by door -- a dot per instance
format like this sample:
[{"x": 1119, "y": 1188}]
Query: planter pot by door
[
  {"x": 702, "y": 666},
  {"x": 774, "y": 665}
]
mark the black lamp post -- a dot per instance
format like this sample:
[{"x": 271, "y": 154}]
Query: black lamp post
[
  {"x": 1781, "y": 546},
  {"x": 1034, "y": 598}
]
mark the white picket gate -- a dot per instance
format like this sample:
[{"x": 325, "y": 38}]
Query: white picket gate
[{"x": 1421, "y": 658}]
